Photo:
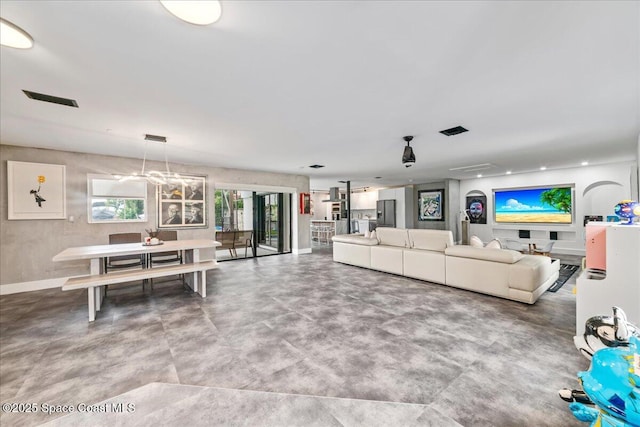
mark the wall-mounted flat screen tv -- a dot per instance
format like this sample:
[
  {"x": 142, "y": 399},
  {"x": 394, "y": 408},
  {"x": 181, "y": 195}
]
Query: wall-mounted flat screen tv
[{"x": 534, "y": 205}]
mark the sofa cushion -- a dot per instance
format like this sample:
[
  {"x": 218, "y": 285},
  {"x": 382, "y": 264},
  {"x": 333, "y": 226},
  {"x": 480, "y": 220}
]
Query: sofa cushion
[
  {"x": 431, "y": 240},
  {"x": 505, "y": 256},
  {"x": 424, "y": 265},
  {"x": 387, "y": 258},
  {"x": 356, "y": 240},
  {"x": 393, "y": 236},
  {"x": 494, "y": 244},
  {"x": 348, "y": 253},
  {"x": 475, "y": 242}
]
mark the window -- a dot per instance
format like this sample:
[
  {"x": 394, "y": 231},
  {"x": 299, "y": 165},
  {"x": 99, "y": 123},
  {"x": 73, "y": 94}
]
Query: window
[{"x": 113, "y": 200}]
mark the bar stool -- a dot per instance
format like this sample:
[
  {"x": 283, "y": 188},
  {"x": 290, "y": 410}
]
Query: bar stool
[
  {"x": 329, "y": 232},
  {"x": 315, "y": 232}
]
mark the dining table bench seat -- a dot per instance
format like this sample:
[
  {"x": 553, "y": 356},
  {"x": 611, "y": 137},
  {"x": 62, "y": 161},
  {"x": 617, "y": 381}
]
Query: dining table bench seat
[{"x": 95, "y": 283}]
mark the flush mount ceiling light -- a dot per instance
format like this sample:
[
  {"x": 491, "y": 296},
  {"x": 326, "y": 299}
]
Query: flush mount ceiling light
[
  {"x": 408, "y": 158},
  {"x": 201, "y": 12},
  {"x": 13, "y": 36}
]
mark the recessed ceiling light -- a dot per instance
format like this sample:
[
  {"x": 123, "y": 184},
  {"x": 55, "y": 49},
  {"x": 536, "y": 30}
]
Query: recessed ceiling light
[
  {"x": 585, "y": 163},
  {"x": 199, "y": 12},
  {"x": 543, "y": 168},
  {"x": 479, "y": 175},
  {"x": 13, "y": 36},
  {"x": 508, "y": 172},
  {"x": 316, "y": 166}
]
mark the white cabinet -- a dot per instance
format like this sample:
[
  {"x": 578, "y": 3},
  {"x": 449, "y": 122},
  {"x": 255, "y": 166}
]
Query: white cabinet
[
  {"x": 596, "y": 293},
  {"x": 364, "y": 200}
]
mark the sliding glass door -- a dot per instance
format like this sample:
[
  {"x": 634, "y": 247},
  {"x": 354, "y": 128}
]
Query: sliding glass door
[
  {"x": 272, "y": 223},
  {"x": 255, "y": 223}
]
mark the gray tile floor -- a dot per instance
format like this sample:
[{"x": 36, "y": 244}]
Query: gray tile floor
[{"x": 303, "y": 329}]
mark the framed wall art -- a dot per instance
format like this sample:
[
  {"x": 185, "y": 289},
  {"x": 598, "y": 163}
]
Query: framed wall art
[
  {"x": 36, "y": 191},
  {"x": 182, "y": 203},
  {"x": 431, "y": 205},
  {"x": 476, "y": 208}
]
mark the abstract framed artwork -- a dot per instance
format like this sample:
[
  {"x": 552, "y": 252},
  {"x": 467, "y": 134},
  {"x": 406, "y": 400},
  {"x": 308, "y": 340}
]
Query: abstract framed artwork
[
  {"x": 431, "y": 205},
  {"x": 182, "y": 203},
  {"x": 36, "y": 191}
]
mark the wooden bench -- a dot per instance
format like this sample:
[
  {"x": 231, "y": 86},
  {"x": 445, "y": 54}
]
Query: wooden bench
[{"x": 95, "y": 283}]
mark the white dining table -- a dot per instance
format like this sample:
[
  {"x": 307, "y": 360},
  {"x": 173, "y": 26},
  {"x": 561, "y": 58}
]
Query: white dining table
[{"x": 97, "y": 253}]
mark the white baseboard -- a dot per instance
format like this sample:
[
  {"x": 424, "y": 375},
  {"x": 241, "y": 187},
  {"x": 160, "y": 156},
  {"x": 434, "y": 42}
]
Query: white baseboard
[
  {"x": 14, "y": 288},
  {"x": 301, "y": 251}
]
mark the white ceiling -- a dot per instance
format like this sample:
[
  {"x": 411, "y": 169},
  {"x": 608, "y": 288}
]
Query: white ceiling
[{"x": 281, "y": 85}]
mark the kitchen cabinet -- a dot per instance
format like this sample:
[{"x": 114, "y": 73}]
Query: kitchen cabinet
[{"x": 365, "y": 200}]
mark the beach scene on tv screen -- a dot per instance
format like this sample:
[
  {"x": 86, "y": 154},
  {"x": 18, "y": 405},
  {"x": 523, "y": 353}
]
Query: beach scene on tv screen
[{"x": 534, "y": 205}]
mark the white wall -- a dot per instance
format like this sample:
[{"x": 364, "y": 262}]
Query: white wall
[
  {"x": 597, "y": 190},
  {"x": 321, "y": 210}
]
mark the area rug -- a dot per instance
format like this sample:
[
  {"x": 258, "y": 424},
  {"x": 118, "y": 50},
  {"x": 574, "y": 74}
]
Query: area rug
[{"x": 566, "y": 271}]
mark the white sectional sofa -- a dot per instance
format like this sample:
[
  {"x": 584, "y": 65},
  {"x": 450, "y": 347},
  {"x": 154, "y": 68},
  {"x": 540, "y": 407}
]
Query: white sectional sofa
[{"x": 432, "y": 256}]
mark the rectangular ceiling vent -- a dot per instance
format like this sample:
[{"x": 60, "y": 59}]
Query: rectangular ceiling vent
[
  {"x": 474, "y": 168},
  {"x": 155, "y": 138},
  {"x": 49, "y": 98},
  {"x": 454, "y": 131}
]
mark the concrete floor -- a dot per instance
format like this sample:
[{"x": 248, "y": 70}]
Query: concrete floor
[{"x": 292, "y": 340}]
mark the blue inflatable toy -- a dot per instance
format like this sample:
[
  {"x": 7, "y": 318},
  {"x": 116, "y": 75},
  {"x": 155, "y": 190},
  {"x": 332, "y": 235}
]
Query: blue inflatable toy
[{"x": 612, "y": 384}]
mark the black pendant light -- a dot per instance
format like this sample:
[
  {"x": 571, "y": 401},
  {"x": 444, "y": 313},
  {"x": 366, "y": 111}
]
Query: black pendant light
[{"x": 408, "y": 158}]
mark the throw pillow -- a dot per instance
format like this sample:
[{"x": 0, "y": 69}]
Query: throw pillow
[
  {"x": 373, "y": 235},
  {"x": 367, "y": 234},
  {"x": 494, "y": 244},
  {"x": 476, "y": 242}
]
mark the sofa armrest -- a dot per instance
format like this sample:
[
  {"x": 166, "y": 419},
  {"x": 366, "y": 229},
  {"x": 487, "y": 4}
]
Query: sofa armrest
[{"x": 354, "y": 239}]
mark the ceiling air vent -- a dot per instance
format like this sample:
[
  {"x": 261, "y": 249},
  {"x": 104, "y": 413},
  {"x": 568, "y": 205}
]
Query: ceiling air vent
[
  {"x": 316, "y": 166},
  {"x": 454, "y": 131},
  {"x": 49, "y": 98},
  {"x": 474, "y": 168},
  {"x": 155, "y": 138}
]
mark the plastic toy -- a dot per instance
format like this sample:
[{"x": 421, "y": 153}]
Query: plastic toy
[
  {"x": 605, "y": 331},
  {"x": 627, "y": 209},
  {"x": 611, "y": 396}
]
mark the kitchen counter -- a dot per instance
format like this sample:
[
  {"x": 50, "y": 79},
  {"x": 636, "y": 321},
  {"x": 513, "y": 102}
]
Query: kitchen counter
[
  {"x": 366, "y": 224},
  {"x": 340, "y": 226}
]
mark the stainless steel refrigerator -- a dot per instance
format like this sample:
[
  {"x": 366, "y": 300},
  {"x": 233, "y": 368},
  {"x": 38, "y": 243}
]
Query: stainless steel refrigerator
[{"x": 386, "y": 213}]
